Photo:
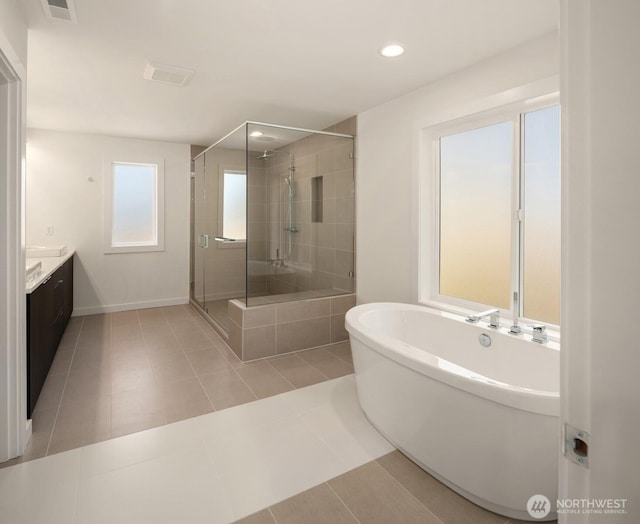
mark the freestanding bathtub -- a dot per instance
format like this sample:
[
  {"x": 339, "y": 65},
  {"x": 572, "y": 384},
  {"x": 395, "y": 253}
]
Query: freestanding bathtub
[{"x": 483, "y": 420}]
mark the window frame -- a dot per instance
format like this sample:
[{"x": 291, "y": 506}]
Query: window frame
[
  {"x": 429, "y": 208},
  {"x": 158, "y": 245}
]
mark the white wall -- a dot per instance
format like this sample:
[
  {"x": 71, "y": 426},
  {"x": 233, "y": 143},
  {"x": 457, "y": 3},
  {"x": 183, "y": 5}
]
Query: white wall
[
  {"x": 601, "y": 251},
  {"x": 386, "y": 218},
  {"x": 59, "y": 193}
]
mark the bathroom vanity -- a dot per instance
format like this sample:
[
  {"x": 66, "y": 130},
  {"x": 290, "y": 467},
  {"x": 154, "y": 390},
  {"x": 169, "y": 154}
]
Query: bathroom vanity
[{"x": 49, "y": 307}]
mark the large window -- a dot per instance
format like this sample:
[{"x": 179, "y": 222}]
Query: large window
[
  {"x": 134, "y": 207},
  {"x": 498, "y": 214}
]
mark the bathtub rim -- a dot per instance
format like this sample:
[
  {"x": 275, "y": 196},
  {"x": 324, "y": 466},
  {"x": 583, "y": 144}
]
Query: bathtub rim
[{"x": 411, "y": 357}]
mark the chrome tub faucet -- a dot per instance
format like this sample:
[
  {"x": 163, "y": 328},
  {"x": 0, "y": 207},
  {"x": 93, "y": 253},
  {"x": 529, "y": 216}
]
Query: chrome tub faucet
[{"x": 493, "y": 314}]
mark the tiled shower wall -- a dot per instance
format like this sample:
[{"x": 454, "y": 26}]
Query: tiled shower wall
[
  {"x": 321, "y": 251},
  {"x": 273, "y": 329}
]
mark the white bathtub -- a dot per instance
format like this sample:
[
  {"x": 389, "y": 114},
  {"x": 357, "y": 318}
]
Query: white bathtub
[{"x": 485, "y": 421}]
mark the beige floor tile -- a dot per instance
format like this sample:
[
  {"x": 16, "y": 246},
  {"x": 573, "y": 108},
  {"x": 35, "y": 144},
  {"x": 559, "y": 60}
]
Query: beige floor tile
[
  {"x": 297, "y": 371},
  {"x": 208, "y": 361},
  {"x": 81, "y": 424},
  {"x": 132, "y": 379},
  {"x": 441, "y": 500},
  {"x": 327, "y": 363},
  {"x": 96, "y": 338},
  {"x": 81, "y": 386},
  {"x": 233, "y": 360},
  {"x": 170, "y": 370},
  {"x": 263, "y": 379},
  {"x": 151, "y": 315},
  {"x": 90, "y": 361},
  {"x": 183, "y": 323},
  {"x": 341, "y": 350},
  {"x": 374, "y": 496},
  {"x": 319, "y": 505},
  {"x": 156, "y": 332},
  {"x": 137, "y": 410},
  {"x": 149, "y": 379},
  {"x": 193, "y": 340},
  {"x": 123, "y": 318},
  {"x": 61, "y": 362},
  {"x": 159, "y": 354},
  {"x": 126, "y": 360},
  {"x": 126, "y": 331},
  {"x": 225, "y": 389},
  {"x": 51, "y": 393},
  {"x": 185, "y": 399}
]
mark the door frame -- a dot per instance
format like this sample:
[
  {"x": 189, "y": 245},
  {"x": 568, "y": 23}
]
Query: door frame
[{"x": 15, "y": 429}]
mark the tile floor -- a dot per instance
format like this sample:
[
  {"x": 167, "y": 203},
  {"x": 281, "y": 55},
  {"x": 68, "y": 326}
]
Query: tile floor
[
  {"x": 270, "y": 442},
  {"x": 121, "y": 373},
  {"x": 389, "y": 489},
  {"x": 217, "y": 467}
]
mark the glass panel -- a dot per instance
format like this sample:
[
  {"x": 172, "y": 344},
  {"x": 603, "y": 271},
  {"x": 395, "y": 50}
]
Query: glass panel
[
  {"x": 475, "y": 215},
  {"x": 199, "y": 231},
  {"x": 224, "y": 261},
  {"x": 541, "y": 293},
  {"x": 134, "y": 204},
  {"x": 292, "y": 252}
]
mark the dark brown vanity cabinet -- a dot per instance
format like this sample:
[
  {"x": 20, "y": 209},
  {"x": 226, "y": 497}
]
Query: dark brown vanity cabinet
[{"x": 49, "y": 308}]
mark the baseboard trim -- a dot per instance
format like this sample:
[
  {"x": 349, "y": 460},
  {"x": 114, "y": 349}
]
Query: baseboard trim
[{"x": 96, "y": 310}]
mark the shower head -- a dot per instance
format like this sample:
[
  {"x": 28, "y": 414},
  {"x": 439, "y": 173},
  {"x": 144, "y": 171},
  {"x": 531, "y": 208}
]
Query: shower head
[
  {"x": 269, "y": 153},
  {"x": 265, "y": 155}
]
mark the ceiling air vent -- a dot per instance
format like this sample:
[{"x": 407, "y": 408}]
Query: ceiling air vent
[
  {"x": 166, "y": 74},
  {"x": 60, "y": 10}
]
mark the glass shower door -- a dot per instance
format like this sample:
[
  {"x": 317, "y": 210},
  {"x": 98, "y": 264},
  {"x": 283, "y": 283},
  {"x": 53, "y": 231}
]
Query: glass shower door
[{"x": 201, "y": 239}]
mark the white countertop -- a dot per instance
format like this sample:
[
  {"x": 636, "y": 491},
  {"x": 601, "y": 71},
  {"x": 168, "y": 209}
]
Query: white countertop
[{"x": 49, "y": 266}]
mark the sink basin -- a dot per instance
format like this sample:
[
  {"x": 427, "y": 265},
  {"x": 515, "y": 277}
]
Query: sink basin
[
  {"x": 46, "y": 251},
  {"x": 34, "y": 267}
]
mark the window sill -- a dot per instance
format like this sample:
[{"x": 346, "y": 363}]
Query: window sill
[
  {"x": 137, "y": 248},
  {"x": 553, "y": 332},
  {"x": 230, "y": 244}
]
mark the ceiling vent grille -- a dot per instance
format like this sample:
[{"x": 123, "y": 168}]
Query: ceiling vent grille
[
  {"x": 60, "y": 10},
  {"x": 166, "y": 74}
]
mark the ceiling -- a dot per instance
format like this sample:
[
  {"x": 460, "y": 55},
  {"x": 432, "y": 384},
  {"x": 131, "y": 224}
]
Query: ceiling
[{"x": 300, "y": 63}]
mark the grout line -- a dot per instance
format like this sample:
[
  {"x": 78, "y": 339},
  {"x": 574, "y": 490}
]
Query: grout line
[
  {"x": 294, "y": 354},
  {"x": 245, "y": 383},
  {"x": 278, "y": 372},
  {"x": 272, "y": 515},
  {"x": 406, "y": 489},
  {"x": 64, "y": 388},
  {"x": 173, "y": 332},
  {"x": 340, "y": 499},
  {"x": 213, "y": 406}
]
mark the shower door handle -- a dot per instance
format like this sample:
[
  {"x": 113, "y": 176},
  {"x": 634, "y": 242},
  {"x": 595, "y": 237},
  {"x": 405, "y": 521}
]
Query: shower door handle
[{"x": 203, "y": 241}]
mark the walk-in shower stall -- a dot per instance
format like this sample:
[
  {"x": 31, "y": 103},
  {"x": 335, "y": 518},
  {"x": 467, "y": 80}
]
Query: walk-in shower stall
[{"x": 273, "y": 219}]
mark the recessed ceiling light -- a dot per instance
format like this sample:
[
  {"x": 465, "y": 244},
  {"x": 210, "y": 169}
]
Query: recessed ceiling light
[
  {"x": 255, "y": 133},
  {"x": 392, "y": 50}
]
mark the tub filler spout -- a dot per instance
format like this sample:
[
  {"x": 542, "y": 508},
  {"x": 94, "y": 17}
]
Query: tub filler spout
[{"x": 493, "y": 314}]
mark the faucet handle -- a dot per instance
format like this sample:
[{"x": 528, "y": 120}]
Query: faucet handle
[{"x": 539, "y": 333}]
